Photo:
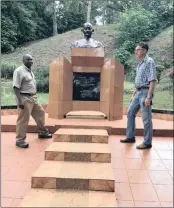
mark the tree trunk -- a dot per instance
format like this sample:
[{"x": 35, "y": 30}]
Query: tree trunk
[
  {"x": 54, "y": 18},
  {"x": 89, "y": 11}
]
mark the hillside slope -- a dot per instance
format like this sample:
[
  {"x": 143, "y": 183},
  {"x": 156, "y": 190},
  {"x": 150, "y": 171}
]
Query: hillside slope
[
  {"x": 161, "y": 47},
  {"x": 161, "y": 50},
  {"x": 45, "y": 51}
]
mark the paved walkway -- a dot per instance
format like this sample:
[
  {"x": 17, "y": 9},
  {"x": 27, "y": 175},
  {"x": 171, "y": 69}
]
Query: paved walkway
[{"x": 142, "y": 178}]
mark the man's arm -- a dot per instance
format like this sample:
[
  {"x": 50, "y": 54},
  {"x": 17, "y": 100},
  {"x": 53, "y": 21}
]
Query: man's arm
[
  {"x": 151, "y": 89},
  {"x": 17, "y": 80},
  {"x": 152, "y": 78},
  {"x": 17, "y": 93}
]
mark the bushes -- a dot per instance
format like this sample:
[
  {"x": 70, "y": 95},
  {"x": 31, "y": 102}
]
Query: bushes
[
  {"x": 122, "y": 55},
  {"x": 7, "y": 70},
  {"x": 42, "y": 79},
  {"x": 41, "y": 73},
  {"x": 136, "y": 25}
]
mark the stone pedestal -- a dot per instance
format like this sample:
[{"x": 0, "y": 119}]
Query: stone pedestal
[{"x": 88, "y": 65}]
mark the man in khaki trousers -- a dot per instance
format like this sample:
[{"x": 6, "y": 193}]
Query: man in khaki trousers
[{"x": 24, "y": 85}]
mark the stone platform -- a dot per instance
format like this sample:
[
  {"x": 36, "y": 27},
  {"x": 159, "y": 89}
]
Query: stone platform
[
  {"x": 150, "y": 171},
  {"x": 161, "y": 127}
]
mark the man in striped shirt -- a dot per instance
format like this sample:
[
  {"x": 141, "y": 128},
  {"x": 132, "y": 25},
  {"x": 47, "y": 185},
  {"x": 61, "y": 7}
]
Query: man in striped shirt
[{"x": 145, "y": 81}]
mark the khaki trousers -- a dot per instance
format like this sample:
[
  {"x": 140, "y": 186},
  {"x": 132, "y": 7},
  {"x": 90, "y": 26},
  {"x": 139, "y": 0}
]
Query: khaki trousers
[{"x": 33, "y": 108}]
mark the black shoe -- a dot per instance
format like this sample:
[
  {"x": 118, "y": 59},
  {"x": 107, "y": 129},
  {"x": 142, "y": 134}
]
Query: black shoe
[
  {"x": 128, "y": 140},
  {"x": 22, "y": 144},
  {"x": 45, "y": 136},
  {"x": 144, "y": 146}
]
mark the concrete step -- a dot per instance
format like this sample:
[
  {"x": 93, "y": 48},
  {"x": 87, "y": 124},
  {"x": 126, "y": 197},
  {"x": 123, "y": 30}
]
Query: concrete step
[
  {"x": 74, "y": 175},
  {"x": 68, "y": 198},
  {"x": 86, "y": 115},
  {"x": 81, "y": 135},
  {"x": 87, "y": 152}
]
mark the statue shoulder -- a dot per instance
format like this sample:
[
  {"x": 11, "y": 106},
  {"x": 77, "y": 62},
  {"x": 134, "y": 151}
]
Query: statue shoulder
[
  {"x": 98, "y": 44},
  {"x": 76, "y": 43}
]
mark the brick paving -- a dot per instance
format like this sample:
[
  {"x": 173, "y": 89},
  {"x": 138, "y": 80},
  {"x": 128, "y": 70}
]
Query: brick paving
[{"x": 143, "y": 178}]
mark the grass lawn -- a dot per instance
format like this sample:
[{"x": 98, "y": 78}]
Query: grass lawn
[
  {"x": 163, "y": 98},
  {"x": 8, "y": 97}
]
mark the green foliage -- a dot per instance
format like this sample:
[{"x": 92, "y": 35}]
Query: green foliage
[
  {"x": 122, "y": 55},
  {"x": 162, "y": 11},
  {"x": 135, "y": 25},
  {"x": 43, "y": 85},
  {"x": 41, "y": 74},
  {"x": 8, "y": 34},
  {"x": 42, "y": 79},
  {"x": 141, "y": 24},
  {"x": 70, "y": 21},
  {"x": 7, "y": 70},
  {"x": 24, "y": 21}
]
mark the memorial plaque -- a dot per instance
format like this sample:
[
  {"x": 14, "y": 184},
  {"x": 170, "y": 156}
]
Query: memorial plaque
[{"x": 86, "y": 86}]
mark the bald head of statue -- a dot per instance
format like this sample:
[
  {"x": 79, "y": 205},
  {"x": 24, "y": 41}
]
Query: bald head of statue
[
  {"x": 27, "y": 60},
  {"x": 87, "y": 30},
  {"x": 87, "y": 41}
]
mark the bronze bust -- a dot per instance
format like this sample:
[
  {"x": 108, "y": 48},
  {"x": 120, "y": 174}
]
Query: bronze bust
[{"x": 87, "y": 42}]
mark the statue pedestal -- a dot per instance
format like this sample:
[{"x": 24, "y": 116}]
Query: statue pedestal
[{"x": 86, "y": 84}]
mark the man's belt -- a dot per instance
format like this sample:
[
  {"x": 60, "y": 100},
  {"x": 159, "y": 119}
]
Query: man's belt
[
  {"x": 27, "y": 94},
  {"x": 142, "y": 88}
]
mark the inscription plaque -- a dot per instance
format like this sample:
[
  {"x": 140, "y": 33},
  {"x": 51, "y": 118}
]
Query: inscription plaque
[{"x": 86, "y": 86}]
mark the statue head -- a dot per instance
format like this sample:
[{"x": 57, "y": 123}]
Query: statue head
[{"x": 87, "y": 30}]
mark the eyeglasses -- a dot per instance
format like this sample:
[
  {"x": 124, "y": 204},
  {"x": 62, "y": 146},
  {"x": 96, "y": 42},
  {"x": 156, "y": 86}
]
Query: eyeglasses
[{"x": 140, "y": 49}]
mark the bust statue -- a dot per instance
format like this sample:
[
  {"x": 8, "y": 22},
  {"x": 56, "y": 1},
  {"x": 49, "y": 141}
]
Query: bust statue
[{"x": 87, "y": 42}]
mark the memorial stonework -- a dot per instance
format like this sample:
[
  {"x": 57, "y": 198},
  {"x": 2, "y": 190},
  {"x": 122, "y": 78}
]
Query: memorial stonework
[{"x": 88, "y": 83}]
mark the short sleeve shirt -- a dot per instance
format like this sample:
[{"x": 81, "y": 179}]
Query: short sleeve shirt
[
  {"x": 24, "y": 79},
  {"x": 145, "y": 72},
  {"x": 83, "y": 43}
]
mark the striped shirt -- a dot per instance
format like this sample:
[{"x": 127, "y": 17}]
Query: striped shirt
[{"x": 145, "y": 72}]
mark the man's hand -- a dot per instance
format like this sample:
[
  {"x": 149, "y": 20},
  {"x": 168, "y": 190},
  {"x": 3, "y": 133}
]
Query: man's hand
[
  {"x": 131, "y": 99},
  {"x": 21, "y": 106},
  {"x": 134, "y": 92},
  {"x": 147, "y": 102}
]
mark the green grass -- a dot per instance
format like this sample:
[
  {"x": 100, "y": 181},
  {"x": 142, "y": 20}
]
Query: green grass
[
  {"x": 8, "y": 97},
  {"x": 163, "y": 99},
  {"x": 163, "y": 96}
]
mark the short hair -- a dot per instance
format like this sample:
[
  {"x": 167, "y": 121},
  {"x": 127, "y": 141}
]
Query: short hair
[
  {"x": 87, "y": 24},
  {"x": 143, "y": 45}
]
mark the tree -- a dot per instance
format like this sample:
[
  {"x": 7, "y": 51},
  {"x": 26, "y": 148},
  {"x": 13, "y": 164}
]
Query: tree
[
  {"x": 24, "y": 21},
  {"x": 89, "y": 11},
  {"x": 54, "y": 18},
  {"x": 52, "y": 8}
]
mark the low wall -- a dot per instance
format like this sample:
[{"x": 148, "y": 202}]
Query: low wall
[{"x": 156, "y": 114}]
